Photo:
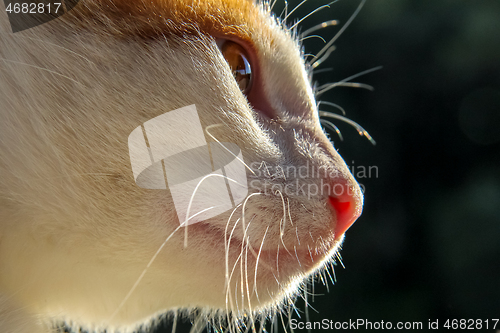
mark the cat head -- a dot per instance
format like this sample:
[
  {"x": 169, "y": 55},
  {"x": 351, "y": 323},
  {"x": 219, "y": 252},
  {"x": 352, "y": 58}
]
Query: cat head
[{"x": 109, "y": 253}]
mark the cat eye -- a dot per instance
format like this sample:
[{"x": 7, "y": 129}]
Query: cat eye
[
  {"x": 237, "y": 59},
  {"x": 243, "y": 61}
]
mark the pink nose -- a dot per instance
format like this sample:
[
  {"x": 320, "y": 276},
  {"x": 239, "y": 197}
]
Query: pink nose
[{"x": 348, "y": 209}]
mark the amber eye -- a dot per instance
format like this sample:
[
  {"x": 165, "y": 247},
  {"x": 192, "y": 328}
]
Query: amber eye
[{"x": 237, "y": 59}]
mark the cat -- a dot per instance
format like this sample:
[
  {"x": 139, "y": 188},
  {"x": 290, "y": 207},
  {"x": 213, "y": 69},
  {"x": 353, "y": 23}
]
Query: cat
[{"x": 82, "y": 244}]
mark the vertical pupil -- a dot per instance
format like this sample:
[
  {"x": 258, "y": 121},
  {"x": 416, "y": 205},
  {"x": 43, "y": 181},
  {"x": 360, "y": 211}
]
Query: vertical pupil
[{"x": 239, "y": 64}]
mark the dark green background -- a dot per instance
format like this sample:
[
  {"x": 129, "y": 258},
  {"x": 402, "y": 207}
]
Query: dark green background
[{"x": 428, "y": 243}]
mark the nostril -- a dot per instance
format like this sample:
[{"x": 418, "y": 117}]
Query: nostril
[{"x": 346, "y": 212}]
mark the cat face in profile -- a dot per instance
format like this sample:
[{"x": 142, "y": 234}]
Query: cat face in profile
[{"x": 79, "y": 240}]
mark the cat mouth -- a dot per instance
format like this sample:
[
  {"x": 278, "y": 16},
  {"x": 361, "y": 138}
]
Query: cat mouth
[
  {"x": 282, "y": 253},
  {"x": 259, "y": 269},
  {"x": 303, "y": 259}
]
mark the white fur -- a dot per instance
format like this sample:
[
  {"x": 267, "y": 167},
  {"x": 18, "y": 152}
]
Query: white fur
[{"x": 76, "y": 232}]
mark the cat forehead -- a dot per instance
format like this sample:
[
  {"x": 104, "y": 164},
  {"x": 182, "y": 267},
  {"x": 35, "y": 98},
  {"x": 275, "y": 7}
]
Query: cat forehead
[{"x": 161, "y": 18}]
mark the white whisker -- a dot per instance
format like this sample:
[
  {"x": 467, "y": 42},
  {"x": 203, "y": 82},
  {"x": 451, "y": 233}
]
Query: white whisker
[
  {"x": 174, "y": 324},
  {"x": 297, "y": 256},
  {"x": 227, "y": 242},
  {"x": 236, "y": 286},
  {"x": 360, "y": 129},
  {"x": 277, "y": 260},
  {"x": 347, "y": 79},
  {"x": 267, "y": 169},
  {"x": 297, "y": 234},
  {"x": 289, "y": 315},
  {"x": 272, "y": 5},
  {"x": 257, "y": 264},
  {"x": 285, "y": 10},
  {"x": 293, "y": 10},
  {"x": 215, "y": 139},
  {"x": 199, "y": 323},
  {"x": 330, "y": 276},
  {"x": 252, "y": 319},
  {"x": 242, "y": 287},
  {"x": 307, "y": 55},
  {"x": 339, "y": 257},
  {"x": 243, "y": 209},
  {"x": 310, "y": 253},
  {"x": 324, "y": 88},
  {"x": 229, "y": 276},
  {"x": 139, "y": 279},
  {"x": 73, "y": 175},
  {"x": 337, "y": 35},
  {"x": 332, "y": 266},
  {"x": 332, "y": 126},
  {"x": 324, "y": 57},
  {"x": 283, "y": 221},
  {"x": 332, "y": 104},
  {"x": 323, "y": 70},
  {"x": 42, "y": 69},
  {"x": 289, "y": 214},
  {"x": 311, "y": 13},
  {"x": 312, "y": 36},
  {"x": 306, "y": 303},
  {"x": 51, "y": 44},
  {"x": 318, "y": 27},
  {"x": 283, "y": 322},
  {"x": 188, "y": 217},
  {"x": 320, "y": 275}
]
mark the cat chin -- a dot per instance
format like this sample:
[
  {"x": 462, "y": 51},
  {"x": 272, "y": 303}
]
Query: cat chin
[{"x": 267, "y": 268}]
